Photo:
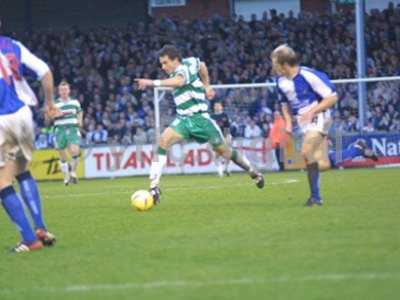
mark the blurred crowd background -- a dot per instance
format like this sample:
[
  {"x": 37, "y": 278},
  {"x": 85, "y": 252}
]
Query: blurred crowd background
[{"x": 101, "y": 64}]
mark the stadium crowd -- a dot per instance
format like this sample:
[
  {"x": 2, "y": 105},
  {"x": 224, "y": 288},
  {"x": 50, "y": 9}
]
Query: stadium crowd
[{"x": 101, "y": 63}]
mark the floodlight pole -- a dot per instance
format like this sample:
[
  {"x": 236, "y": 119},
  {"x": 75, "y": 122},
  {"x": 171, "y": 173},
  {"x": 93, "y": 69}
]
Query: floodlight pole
[{"x": 361, "y": 58}]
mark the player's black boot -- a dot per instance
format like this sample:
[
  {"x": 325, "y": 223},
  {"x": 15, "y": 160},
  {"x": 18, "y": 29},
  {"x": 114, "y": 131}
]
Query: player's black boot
[
  {"x": 366, "y": 152},
  {"x": 73, "y": 179},
  {"x": 47, "y": 238},
  {"x": 258, "y": 179},
  {"x": 312, "y": 201},
  {"x": 156, "y": 193}
]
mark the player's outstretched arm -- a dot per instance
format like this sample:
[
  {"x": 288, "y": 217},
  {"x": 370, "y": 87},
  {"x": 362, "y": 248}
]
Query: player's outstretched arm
[
  {"x": 80, "y": 119},
  {"x": 173, "y": 82},
  {"x": 205, "y": 78},
  {"x": 47, "y": 82},
  {"x": 45, "y": 76}
]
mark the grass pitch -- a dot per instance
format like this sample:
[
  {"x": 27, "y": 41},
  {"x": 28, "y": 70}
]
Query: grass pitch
[{"x": 214, "y": 238}]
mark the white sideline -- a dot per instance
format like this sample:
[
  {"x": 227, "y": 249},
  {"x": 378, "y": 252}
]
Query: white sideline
[
  {"x": 387, "y": 166},
  {"x": 173, "y": 188},
  {"x": 192, "y": 283}
]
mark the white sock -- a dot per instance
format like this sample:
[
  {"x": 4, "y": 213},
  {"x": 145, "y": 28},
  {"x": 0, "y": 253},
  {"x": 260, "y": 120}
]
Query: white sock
[
  {"x": 156, "y": 170},
  {"x": 74, "y": 164},
  {"x": 226, "y": 162},
  {"x": 65, "y": 169},
  {"x": 220, "y": 166},
  {"x": 221, "y": 170}
]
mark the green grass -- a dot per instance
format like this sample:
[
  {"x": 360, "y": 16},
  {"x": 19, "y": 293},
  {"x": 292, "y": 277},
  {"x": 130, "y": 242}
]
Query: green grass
[{"x": 214, "y": 238}]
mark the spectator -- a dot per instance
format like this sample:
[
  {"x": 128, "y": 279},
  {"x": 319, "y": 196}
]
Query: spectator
[
  {"x": 252, "y": 130},
  {"x": 101, "y": 64},
  {"x": 369, "y": 128},
  {"x": 100, "y": 135},
  {"x": 140, "y": 137}
]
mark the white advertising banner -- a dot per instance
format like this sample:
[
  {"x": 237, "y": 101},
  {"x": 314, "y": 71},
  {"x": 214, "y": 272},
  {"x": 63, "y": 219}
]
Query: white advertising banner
[{"x": 116, "y": 161}]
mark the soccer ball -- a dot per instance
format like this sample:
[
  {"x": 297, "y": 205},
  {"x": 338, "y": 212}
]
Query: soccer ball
[{"x": 142, "y": 200}]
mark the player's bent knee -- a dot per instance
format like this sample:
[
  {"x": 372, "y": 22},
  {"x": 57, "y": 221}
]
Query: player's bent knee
[
  {"x": 219, "y": 151},
  {"x": 62, "y": 154},
  {"x": 6, "y": 181},
  {"x": 224, "y": 151},
  {"x": 309, "y": 157},
  {"x": 75, "y": 150},
  {"x": 166, "y": 140},
  {"x": 324, "y": 165},
  {"x": 163, "y": 143},
  {"x": 74, "y": 147},
  {"x": 306, "y": 155},
  {"x": 22, "y": 165}
]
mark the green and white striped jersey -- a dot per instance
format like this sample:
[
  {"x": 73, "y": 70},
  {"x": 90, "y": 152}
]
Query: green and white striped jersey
[
  {"x": 190, "y": 98},
  {"x": 70, "y": 109}
]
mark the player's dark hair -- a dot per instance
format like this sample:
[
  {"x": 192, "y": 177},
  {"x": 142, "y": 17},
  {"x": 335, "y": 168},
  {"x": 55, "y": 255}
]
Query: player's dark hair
[{"x": 171, "y": 51}]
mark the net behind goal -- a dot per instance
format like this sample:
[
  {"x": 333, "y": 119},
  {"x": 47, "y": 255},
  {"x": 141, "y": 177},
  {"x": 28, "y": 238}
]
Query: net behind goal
[
  {"x": 250, "y": 111},
  {"x": 253, "y": 108}
]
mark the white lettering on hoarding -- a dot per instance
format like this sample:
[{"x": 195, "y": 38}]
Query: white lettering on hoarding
[{"x": 385, "y": 148}]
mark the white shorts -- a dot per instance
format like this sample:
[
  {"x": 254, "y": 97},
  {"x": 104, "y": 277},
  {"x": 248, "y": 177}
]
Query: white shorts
[
  {"x": 322, "y": 122},
  {"x": 16, "y": 136}
]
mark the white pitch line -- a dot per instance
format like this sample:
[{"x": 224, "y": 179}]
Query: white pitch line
[
  {"x": 173, "y": 188},
  {"x": 387, "y": 166},
  {"x": 334, "y": 277}
]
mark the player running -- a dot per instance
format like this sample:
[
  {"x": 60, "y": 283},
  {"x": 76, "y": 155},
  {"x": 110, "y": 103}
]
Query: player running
[
  {"x": 222, "y": 120},
  {"x": 308, "y": 95},
  {"x": 67, "y": 132},
  {"x": 16, "y": 140},
  {"x": 191, "y": 86}
]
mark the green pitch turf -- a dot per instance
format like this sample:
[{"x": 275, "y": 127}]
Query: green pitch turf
[{"x": 214, "y": 238}]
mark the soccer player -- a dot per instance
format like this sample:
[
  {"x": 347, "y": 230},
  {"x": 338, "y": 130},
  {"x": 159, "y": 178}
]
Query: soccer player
[
  {"x": 222, "y": 120},
  {"x": 16, "y": 141},
  {"x": 308, "y": 95},
  {"x": 67, "y": 132},
  {"x": 191, "y": 86}
]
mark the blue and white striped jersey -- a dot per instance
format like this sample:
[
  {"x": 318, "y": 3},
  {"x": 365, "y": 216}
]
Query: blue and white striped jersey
[
  {"x": 305, "y": 88},
  {"x": 14, "y": 90}
]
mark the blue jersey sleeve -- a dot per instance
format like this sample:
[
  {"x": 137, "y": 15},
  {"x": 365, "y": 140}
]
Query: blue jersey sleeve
[{"x": 319, "y": 82}]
